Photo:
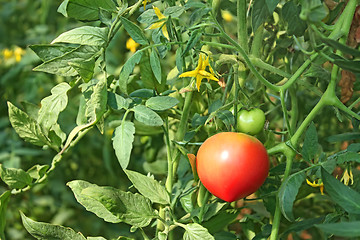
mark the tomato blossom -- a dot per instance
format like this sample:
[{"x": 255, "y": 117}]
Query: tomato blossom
[
  {"x": 200, "y": 72},
  {"x": 161, "y": 23},
  {"x": 131, "y": 45},
  {"x": 319, "y": 185},
  {"x": 347, "y": 177}
]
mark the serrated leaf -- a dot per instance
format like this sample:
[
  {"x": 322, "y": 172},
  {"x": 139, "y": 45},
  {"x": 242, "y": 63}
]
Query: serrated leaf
[
  {"x": 134, "y": 31},
  {"x": 85, "y": 9},
  {"x": 85, "y": 69},
  {"x": 193, "y": 40},
  {"x": 26, "y": 127},
  {"x": 45, "y": 231},
  {"x": 128, "y": 67},
  {"x": 96, "y": 105},
  {"x": 113, "y": 205},
  {"x": 262, "y": 9},
  {"x": 52, "y": 105},
  {"x": 161, "y": 103},
  {"x": 117, "y": 102},
  {"x": 341, "y": 229},
  {"x": 85, "y": 35},
  {"x": 46, "y": 52},
  {"x": 4, "y": 200},
  {"x": 194, "y": 231},
  {"x": 313, "y": 10},
  {"x": 343, "y": 195},
  {"x": 287, "y": 194},
  {"x": 60, "y": 65},
  {"x": 147, "y": 116},
  {"x": 155, "y": 65},
  {"x": 15, "y": 178},
  {"x": 149, "y": 187},
  {"x": 290, "y": 13},
  {"x": 310, "y": 146},
  {"x": 348, "y": 157},
  {"x": 37, "y": 171},
  {"x": 123, "y": 141},
  {"x": 174, "y": 11}
]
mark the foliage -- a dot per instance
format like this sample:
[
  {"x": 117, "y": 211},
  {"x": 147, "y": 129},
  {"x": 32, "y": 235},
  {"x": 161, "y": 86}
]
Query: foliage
[{"x": 100, "y": 132}]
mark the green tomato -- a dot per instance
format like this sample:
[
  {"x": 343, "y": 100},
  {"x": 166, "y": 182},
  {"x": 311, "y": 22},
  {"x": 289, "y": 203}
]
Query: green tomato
[{"x": 251, "y": 121}]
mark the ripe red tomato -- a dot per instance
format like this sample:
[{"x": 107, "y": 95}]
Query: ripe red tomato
[
  {"x": 251, "y": 122},
  {"x": 232, "y": 165}
]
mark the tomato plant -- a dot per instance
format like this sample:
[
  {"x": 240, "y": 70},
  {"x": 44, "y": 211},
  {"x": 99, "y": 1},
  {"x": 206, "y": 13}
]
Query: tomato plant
[
  {"x": 232, "y": 165},
  {"x": 251, "y": 121}
]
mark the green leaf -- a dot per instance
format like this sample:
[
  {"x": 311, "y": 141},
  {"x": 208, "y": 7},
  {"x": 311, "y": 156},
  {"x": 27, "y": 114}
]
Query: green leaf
[
  {"x": 148, "y": 16},
  {"x": 193, "y": 40},
  {"x": 174, "y": 11},
  {"x": 262, "y": 9},
  {"x": 310, "y": 146},
  {"x": 290, "y": 13},
  {"x": 123, "y": 141},
  {"x": 4, "y": 200},
  {"x": 85, "y": 9},
  {"x": 52, "y": 105},
  {"x": 45, "y": 231},
  {"x": 85, "y": 35},
  {"x": 85, "y": 69},
  {"x": 155, "y": 65},
  {"x": 96, "y": 105},
  {"x": 220, "y": 221},
  {"x": 26, "y": 127},
  {"x": 287, "y": 194},
  {"x": 15, "y": 178},
  {"x": 37, "y": 171},
  {"x": 348, "y": 157},
  {"x": 302, "y": 225},
  {"x": 96, "y": 238},
  {"x": 46, "y": 52},
  {"x": 343, "y": 195},
  {"x": 227, "y": 117},
  {"x": 341, "y": 229},
  {"x": 142, "y": 93},
  {"x": 112, "y": 204},
  {"x": 147, "y": 116},
  {"x": 342, "y": 47},
  {"x": 161, "y": 103},
  {"x": 344, "y": 137},
  {"x": 117, "y": 102},
  {"x": 134, "y": 31},
  {"x": 194, "y": 231},
  {"x": 351, "y": 65},
  {"x": 149, "y": 187},
  {"x": 60, "y": 65},
  {"x": 129, "y": 65},
  {"x": 312, "y": 11}
]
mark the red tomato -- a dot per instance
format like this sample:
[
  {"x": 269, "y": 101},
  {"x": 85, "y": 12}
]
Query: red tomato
[{"x": 232, "y": 165}]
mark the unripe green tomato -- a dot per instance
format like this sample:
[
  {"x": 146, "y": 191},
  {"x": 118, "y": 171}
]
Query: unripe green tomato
[{"x": 251, "y": 121}]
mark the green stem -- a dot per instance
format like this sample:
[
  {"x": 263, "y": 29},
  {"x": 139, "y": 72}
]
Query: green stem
[
  {"x": 257, "y": 41},
  {"x": 242, "y": 26},
  {"x": 245, "y": 57},
  {"x": 170, "y": 177},
  {"x": 294, "y": 113},
  {"x": 261, "y": 64},
  {"x": 285, "y": 112}
]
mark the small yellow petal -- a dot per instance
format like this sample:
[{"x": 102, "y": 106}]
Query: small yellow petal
[
  {"x": 156, "y": 25},
  {"x": 198, "y": 81},
  {"x": 165, "y": 32},
  {"x": 208, "y": 75},
  {"x": 158, "y": 13},
  {"x": 192, "y": 73},
  {"x": 131, "y": 45},
  {"x": 227, "y": 16}
]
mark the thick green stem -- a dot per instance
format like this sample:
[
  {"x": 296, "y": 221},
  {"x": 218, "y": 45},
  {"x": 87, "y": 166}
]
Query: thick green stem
[
  {"x": 242, "y": 26},
  {"x": 170, "y": 177},
  {"x": 285, "y": 112}
]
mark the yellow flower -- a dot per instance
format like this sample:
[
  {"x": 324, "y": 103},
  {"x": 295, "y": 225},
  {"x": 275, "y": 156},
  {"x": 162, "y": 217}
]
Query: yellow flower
[
  {"x": 145, "y": 2},
  {"x": 319, "y": 184},
  {"x": 18, "y": 52},
  {"x": 131, "y": 45},
  {"x": 226, "y": 15},
  {"x": 200, "y": 72},
  {"x": 160, "y": 23},
  {"x": 7, "y": 53},
  {"x": 347, "y": 176}
]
